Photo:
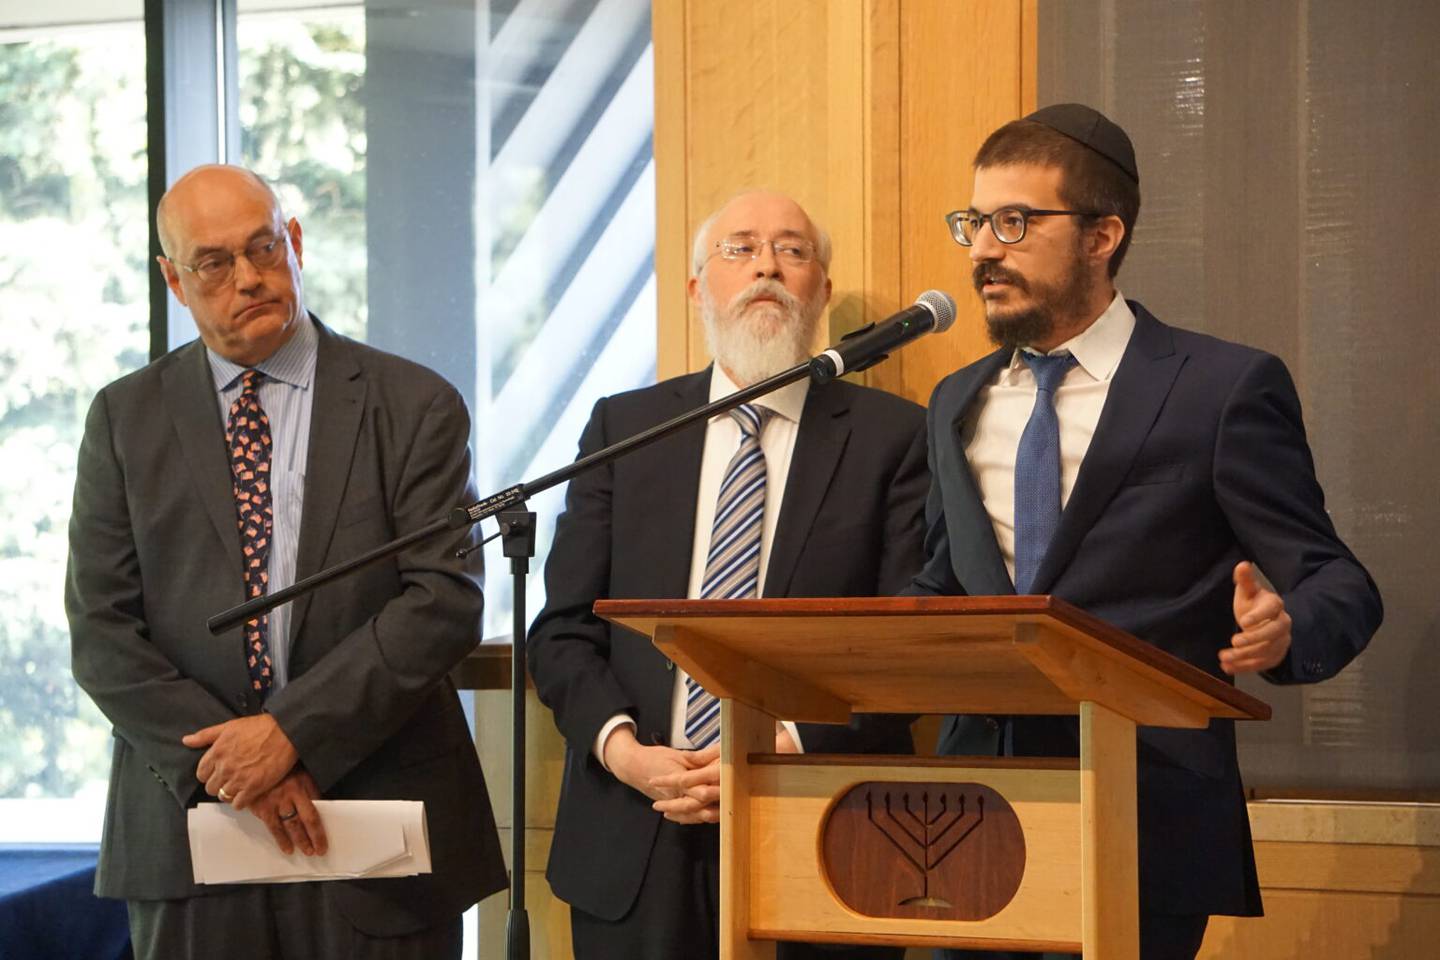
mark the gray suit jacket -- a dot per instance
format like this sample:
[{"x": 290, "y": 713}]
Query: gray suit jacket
[{"x": 154, "y": 552}]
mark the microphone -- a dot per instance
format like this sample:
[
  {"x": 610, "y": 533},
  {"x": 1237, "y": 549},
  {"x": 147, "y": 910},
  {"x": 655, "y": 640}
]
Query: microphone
[{"x": 933, "y": 310}]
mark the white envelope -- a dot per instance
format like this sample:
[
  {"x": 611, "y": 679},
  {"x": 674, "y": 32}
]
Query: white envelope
[{"x": 368, "y": 838}]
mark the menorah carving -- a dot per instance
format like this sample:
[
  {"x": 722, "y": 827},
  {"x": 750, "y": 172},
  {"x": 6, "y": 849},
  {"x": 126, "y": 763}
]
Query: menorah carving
[
  {"x": 880, "y": 837},
  {"x": 923, "y": 832}
]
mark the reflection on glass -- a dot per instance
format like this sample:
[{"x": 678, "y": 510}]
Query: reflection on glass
[
  {"x": 74, "y": 313},
  {"x": 302, "y": 127},
  {"x": 502, "y": 157}
]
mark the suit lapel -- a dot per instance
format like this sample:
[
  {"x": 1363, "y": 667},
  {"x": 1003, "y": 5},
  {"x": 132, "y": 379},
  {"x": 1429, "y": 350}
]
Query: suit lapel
[
  {"x": 824, "y": 430},
  {"x": 975, "y": 553},
  {"x": 190, "y": 398},
  {"x": 671, "y": 490},
  {"x": 335, "y": 415},
  {"x": 1137, "y": 393}
]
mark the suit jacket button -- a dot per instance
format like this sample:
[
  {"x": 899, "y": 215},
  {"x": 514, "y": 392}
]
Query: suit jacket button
[{"x": 240, "y": 701}]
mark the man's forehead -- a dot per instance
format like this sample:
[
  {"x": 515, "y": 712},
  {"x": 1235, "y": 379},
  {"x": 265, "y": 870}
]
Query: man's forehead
[
  {"x": 218, "y": 207},
  {"x": 1025, "y": 184},
  {"x": 223, "y": 225},
  {"x": 764, "y": 215}
]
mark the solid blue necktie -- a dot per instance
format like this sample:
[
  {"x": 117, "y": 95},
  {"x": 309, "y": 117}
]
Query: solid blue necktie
[
  {"x": 1037, "y": 471},
  {"x": 732, "y": 566}
]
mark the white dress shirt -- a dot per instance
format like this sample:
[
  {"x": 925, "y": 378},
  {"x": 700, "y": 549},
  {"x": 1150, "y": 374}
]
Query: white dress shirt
[
  {"x": 992, "y": 437},
  {"x": 722, "y": 439}
]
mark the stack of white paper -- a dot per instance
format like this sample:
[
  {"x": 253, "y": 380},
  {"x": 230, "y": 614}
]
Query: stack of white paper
[{"x": 368, "y": 838}]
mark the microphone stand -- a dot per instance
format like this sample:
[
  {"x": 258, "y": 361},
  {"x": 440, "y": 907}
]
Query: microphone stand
[{"x": 517, "y": 532}]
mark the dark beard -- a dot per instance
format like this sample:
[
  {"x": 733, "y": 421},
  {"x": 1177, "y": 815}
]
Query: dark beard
[
  {"x": 1037, "y": 323},
  {"x": 1015, "y": 330}
]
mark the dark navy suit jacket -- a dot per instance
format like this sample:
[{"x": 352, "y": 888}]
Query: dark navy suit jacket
[
  {"x": 1198, "y": 461},
  {"x": 851, "y": 524}
]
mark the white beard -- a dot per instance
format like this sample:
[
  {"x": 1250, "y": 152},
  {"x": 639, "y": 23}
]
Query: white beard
[{"x": 754, "y": 343}]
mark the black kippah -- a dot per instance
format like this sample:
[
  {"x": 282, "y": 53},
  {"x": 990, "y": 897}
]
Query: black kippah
[{"x": 1092, "y": 128}]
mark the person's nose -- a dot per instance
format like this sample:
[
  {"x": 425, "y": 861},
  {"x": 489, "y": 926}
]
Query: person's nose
[
  {"x": 985, "y": 245},
  {"x": 767, "y": 265},
  {"x": 246, "y": 276}
]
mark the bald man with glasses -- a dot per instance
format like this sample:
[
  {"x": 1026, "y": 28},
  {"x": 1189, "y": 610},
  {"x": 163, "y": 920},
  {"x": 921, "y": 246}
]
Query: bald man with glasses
[{"x": 266, "y": 450}]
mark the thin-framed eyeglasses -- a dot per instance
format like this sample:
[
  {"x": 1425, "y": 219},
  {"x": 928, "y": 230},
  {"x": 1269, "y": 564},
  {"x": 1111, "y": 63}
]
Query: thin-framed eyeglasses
[
  {"x": 217, "y": 269},
  {"x": 1008, "y": 223},
  {"x": 744, "y": 246}
]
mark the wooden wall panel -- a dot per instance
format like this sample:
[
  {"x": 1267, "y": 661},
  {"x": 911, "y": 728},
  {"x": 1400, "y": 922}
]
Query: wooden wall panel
[
  {"x": 868, "y": 112},
  {"x": 962, "y": 70}
]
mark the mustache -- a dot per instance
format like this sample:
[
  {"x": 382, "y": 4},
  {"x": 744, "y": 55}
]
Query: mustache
[
  {"x": 986, "y": 272},
  {"x": 772, "y": 289}
]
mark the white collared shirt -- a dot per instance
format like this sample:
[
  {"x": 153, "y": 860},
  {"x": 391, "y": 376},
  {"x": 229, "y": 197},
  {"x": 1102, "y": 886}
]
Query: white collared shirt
[{"x": 992, "y": 436}]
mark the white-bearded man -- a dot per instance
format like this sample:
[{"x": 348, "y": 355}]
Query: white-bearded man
[{"x": 806, "y": 492}]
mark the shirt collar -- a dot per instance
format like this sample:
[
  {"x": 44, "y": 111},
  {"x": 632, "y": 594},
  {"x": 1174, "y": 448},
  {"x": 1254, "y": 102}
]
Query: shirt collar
[
  {"x": 788, "y": 401},
  {"x": 294, "y": 363},
  {"x": 1099, "y": 347}
]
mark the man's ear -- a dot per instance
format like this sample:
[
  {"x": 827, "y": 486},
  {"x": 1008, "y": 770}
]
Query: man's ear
[
  {"x": 692, "y": 289},
  {"x": 296, "y": 241},
  {"x": 1104, "y": 238},
  {"x": 172, "y": 279}
]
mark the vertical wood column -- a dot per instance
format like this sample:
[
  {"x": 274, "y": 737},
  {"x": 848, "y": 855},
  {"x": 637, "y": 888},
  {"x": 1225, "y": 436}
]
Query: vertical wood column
[
  {"x": 1109, "y": 864},
  {"x": 743, "y": 731}
]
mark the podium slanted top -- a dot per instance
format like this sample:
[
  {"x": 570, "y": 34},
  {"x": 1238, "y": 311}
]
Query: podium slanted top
[{"x": 819, "y": 660}]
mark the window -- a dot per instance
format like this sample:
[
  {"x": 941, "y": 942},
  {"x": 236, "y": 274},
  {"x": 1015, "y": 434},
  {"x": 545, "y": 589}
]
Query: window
[
  {"x": 74, "y": 311},
  {"x": 477, "y": 189}
]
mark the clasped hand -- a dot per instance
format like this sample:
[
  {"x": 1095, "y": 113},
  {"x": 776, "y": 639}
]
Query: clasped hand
[
  {"x": 246, "y": 757},
  {"x": 251, "y": 764},
  {"x": 684, "y": 785}
]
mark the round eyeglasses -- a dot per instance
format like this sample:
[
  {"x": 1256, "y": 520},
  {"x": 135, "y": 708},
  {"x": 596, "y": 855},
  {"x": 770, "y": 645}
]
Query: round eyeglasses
[
  {"x": 1007, "y": 223},
  {"x": 217, "y": 269}
]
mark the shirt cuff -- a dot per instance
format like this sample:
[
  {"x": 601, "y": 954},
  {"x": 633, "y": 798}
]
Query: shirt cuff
[{"x": 619, "y": 720}]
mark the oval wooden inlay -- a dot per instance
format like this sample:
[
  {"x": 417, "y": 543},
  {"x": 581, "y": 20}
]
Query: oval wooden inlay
[{"x": 932, "y": 851}]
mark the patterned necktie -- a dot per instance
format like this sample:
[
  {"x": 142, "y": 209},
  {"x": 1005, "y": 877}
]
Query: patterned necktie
[
  {"x": 732, "y": 567},
  {"x": 1037, "y": 471},
  {"x": 247, "y": 437}
]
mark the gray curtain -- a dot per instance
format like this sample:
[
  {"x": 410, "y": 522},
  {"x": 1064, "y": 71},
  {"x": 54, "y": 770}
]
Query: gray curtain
[{"x": 1290, "y": 168}]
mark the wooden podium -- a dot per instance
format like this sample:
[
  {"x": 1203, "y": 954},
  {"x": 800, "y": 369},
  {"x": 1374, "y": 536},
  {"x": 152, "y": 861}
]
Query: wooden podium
[{"x": 972, "y": 852}]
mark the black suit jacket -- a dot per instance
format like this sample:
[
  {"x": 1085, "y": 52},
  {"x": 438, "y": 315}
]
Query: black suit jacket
[
  {"x": 1198, "y": 461},
  {"x": 851, "y": 524},
  {"x": 369, "y": 706}
]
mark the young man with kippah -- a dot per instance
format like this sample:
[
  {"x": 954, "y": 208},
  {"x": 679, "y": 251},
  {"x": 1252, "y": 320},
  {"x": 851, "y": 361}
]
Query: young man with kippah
[{"x": 1143, "y": 473}]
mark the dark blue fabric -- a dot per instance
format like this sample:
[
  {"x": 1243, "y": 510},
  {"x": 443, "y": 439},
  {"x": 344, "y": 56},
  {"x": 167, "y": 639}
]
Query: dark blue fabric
[{"x": 48, "y": 909}]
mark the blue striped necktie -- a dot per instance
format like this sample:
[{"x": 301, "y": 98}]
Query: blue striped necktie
[
  {"x": 732, "y": 567},
  {"x": 1037, "y": 471}
]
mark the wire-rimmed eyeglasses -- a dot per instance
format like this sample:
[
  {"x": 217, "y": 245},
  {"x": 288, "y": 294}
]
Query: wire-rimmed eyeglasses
[
  {"x": 217, "y": 269},
  {"x": 794, "y": 250}
]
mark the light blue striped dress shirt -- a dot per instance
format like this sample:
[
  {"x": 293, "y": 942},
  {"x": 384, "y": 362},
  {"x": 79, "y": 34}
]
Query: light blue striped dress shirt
[{"x": 287, "y": 394}]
